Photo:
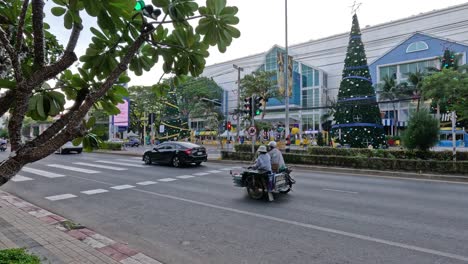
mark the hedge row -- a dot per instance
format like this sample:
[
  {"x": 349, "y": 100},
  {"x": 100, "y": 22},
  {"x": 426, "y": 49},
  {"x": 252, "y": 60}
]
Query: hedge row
[
  {"x": 387, "y": 153},
  {"x": 110, "y": 145},
  {"x": 444, "y": 167},
  {"x": 369, "y": 153}
]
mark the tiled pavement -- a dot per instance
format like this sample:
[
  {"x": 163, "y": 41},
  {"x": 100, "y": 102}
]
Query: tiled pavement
[{"x": 23, "y": 225}]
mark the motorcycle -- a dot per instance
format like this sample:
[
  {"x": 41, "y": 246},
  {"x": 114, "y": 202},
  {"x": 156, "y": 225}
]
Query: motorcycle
[
  {"x": 260, "y": 184},
  {"x": 3, "y": 146}
]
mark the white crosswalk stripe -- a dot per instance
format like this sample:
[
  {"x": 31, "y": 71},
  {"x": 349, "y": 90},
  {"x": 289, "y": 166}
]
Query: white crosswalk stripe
[
  {"x": 42, "y": 173},
  {"x": 201, "y": 174},
  {"x": 214, "y": 171},
  {"x": 19, "y": 178},
  {"x": 73, "y": 168},
  {"x": 226, "y": 169},
  {"x": 95, "y": 191},
  {"x": 133, "y": 161},
  {"x": 146, "y": 183},
  {"x": 122, "y": 187},
  {"x": 121, "y": 164},
  {"x": 100, "y": 166},
  {"x": 61, "y": 197},
  {"x": 167, "y": 180},
  {"x": 185, "y": 176}
]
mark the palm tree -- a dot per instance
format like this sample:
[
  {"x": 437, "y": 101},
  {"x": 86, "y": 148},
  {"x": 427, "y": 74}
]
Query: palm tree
[
  {"x": 415, "y": 80},
  {"x": 389, "y": 90}
]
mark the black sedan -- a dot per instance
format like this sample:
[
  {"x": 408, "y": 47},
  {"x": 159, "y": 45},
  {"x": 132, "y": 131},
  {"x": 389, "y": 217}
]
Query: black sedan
[{"x": 176, "y": 153}]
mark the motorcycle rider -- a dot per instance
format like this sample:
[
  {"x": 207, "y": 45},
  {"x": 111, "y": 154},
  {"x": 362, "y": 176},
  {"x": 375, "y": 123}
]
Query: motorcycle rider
[
  {"x": 277, "y": 161},
  {"x": 3, "y": 144},
  {"x": 263, "y": 162}
]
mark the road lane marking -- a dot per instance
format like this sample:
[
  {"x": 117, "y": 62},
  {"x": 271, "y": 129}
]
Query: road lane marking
[
  {"x": 42, "y": 173},
  {"x": 131, "y": 160},
  {"x": 335, "y": 190},
  {"x": 100, "y": 166},
  {"x": 225, "y": 169},
  {"x": 214, "y": 171},
  {"x": 185, "y": 177},
  {"x": 236, "y": 168},
  {"x": 19, "y": 178},
  {"x": 95, "y": 191},
  {"x": 315, "y": 227},
  {"x": 309, "y": 226},
  {"x": 146, "y": 183},
  {"x": 121, "y": 164},
  {"x": 73, "y": 168},
  {"x": 122, "y": 187},
  {"x": 200, "y": 174},
  {"x": 61, "y": 197},
  {"x": 137, "y": 158},
  {"x": 167, "y": 180}
]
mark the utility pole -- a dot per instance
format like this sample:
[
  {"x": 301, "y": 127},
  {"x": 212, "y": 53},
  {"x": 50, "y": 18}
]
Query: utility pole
[
  {"x": 454, "y": 141},
  {"x": 239, "y": 69},
  {"x": 252, "y": 98},
  {"x": 286, "y": 65}
]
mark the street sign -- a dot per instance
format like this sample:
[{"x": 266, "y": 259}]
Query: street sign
[
  {"x": 252, "y": 131},
  {"x": 161, "y": 129}
]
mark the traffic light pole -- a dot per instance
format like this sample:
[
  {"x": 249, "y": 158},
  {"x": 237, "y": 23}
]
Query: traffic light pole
[
  {"x": 252, "y": 98},
  {"x": 239, "y": 69}
]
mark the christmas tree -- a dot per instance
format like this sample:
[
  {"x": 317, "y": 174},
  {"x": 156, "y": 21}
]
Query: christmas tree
[
  {"x": 357, "y": 118},
  {"x": 175, "y": 127}
]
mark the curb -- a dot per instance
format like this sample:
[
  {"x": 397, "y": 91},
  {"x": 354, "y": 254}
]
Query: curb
[
  {"x": 375, "y": 173},
  {"x": 117, "y": 251}
]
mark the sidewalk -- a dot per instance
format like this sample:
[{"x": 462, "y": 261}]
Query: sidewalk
[{"x": 23, "y": 225}]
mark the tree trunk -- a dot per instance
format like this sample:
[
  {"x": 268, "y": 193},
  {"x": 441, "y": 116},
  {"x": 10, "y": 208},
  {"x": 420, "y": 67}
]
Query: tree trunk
[{"x": 9, "y": 168}]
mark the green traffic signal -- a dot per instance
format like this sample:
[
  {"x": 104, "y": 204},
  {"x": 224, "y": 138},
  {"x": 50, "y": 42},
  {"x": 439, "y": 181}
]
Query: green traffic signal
[
  {"x": 139, "y": 5},
  {"x": 258, "y": 112}
]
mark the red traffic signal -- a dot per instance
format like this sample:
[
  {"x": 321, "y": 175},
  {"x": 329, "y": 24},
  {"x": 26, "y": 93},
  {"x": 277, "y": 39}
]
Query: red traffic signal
[{"x": 228, "y": 126}]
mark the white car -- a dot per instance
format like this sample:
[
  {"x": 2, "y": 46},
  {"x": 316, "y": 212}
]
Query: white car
[{"x": 69, "y": 147}]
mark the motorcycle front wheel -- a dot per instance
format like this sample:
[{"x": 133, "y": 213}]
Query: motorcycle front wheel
[{"x": 255, "y": 188}]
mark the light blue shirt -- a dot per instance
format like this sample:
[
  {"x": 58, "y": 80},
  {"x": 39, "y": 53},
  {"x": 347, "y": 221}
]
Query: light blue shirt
[{"x": 263, "y": 162}]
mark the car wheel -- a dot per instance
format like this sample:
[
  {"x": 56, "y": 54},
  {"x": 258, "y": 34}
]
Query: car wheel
[
  {"x": 79, "y": 151},
  {"x": 176, "y": 162},
  {"x": 147, "y": 160}
]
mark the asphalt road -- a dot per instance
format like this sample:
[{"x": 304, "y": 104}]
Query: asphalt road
[{"x": 195, "y": 214}]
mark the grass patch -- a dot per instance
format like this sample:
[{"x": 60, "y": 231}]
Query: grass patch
[
  {"x": 17, "y": 256},
  {"x": 69, "y": 225}
]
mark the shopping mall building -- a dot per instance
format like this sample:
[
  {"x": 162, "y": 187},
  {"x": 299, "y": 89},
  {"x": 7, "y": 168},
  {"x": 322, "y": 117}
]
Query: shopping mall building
[{"x": 393, "y": 49}]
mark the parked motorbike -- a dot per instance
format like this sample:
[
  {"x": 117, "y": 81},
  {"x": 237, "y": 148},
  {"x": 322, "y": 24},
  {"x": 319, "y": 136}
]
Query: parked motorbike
[
  {"x": 3, "y": 146},
  {"x": 260, "y": 184}
]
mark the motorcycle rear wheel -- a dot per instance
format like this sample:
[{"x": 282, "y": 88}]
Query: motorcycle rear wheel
[{"x": 255, "y": 188}]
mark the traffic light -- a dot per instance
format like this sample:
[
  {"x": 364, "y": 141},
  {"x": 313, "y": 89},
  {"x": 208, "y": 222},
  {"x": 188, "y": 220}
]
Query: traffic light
[
  {"x": 228, "y": 126},
  {"x": 258, "y": 105},
  {"x": 139, "y": 5},
  {"x": 147, "y": 10},
  {"x": 248, "y": 106}
]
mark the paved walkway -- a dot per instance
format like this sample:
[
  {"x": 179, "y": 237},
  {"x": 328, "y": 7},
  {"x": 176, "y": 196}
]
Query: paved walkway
[{"x": 23, "y": 225}]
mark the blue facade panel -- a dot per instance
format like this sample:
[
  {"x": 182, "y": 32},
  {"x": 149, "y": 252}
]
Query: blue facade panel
[
  {"x": 296, "y": 93},
  {"x": 399, "y": 55}
]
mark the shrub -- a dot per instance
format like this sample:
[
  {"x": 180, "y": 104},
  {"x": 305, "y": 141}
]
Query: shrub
[
  {"x": 3, "y": 133},
  {"x": 422, "y": 132},
  {"x": 110, "y": 145},
  {"x": 17, "y": 255}
]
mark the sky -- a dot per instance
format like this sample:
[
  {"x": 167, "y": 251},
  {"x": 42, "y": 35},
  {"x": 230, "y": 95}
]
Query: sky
[{"x": 262, "y": 24}]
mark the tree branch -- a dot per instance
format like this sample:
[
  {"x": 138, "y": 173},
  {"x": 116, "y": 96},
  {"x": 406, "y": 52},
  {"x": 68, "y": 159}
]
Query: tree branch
[
  {"x": 19, "y": 32},
  {"x": 13, "y": 56},
  {"x": 38, "y": 30},
  {"x": 6, "y": 101},
  {"x": 74, "y": 36},
  {"x": 170, "y": 21}
]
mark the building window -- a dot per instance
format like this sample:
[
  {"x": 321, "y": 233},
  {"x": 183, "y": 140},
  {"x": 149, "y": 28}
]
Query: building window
[
  {"x": 387, "y": 71},
  {"x": 307, "y": 76},
  {"x": 417, "y": 46},
  {"x": 311, "y": 97}
]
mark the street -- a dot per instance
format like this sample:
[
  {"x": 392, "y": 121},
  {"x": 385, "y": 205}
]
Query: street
[{"x": 196, "y": 215}]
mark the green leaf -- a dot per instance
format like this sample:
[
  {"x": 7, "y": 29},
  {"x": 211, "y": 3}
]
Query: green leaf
[
  {"x": 58, "y": 11},
  {"x": 59, "y": 2},
  {"x": 68, "y": 20},
  {"x": 7, "y": 84},
  {"x": 91, "y": 122},
  {"x": 161, "y": 3},
  {"x": 40, "y": 106},
  {"x": 77, "y": 141}
]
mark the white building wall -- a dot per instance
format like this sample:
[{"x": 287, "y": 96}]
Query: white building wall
[{"x": 328, "y": 54}]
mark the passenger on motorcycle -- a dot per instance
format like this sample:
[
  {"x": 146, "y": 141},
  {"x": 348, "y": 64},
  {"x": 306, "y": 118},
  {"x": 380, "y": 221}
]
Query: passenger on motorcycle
[
  {"x": 263, "y": 162},
  {"x": 277, "y": 161}
]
